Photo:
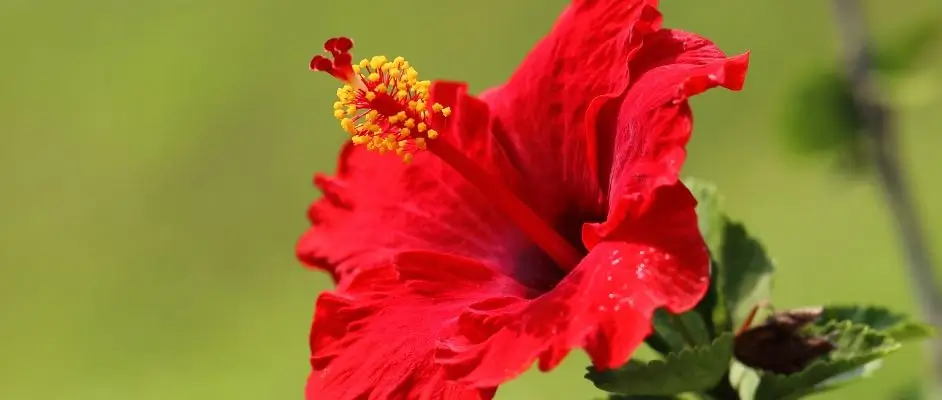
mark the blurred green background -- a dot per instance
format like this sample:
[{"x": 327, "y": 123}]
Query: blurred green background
[{"x": 156, "y": 165}]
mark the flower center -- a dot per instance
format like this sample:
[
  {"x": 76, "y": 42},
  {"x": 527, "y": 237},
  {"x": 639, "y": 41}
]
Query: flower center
[{"x": 384, "y": 106}]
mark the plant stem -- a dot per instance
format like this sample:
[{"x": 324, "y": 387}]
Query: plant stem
[{"x": 878, "y": 118}]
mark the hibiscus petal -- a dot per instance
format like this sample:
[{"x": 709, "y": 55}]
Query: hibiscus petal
[
  {"x": 540, "y": 111},
  {"x": 385, "y": 352},
  {"x": 605, "y": 305},
  {"x": 377, "y": 206},
  {"x": 376, "y": 339},
  {"x": 645, "y": 130}
]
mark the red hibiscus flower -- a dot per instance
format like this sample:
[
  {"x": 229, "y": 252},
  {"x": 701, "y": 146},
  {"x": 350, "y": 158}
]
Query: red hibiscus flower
[{"x": 543, "y": 215}]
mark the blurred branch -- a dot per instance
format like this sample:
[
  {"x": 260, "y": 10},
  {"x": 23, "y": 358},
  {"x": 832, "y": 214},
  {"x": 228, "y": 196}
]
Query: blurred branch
[{"x": 879, "y": 126}]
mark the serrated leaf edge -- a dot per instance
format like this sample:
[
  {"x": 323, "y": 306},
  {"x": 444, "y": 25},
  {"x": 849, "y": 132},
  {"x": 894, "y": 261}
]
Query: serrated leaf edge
[
  {"x": 662, "y": 363},
  {"x": 905, "y": 322}
]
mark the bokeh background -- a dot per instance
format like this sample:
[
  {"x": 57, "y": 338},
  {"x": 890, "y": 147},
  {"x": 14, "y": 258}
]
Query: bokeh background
[{"x": 156, "y": 164}]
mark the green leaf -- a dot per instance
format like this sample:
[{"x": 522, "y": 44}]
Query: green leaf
[
  {"x": 710, "y": 216},
  {"x": 859, "y": 350},
  {"x": 745, "y": 271},
  {"x": 677, "y": 332},
  {"x": 896, "y": 325},
  {"x": 658, "y": 342},
  {"x": 741, "y": 273},
  {"x": 665, "y": 339},
  {"x": 691, "y": 369}
]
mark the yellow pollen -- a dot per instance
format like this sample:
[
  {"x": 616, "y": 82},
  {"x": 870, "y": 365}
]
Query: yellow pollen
[{"x": 390, "y": 111}]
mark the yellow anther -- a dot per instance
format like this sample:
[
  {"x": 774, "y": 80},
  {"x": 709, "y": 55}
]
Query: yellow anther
[
  {"x": 347, "y": 125},
  {"x": 356, "y": 68},
  {"x": 407, "y": 158},
  {"x": 386, "y": 108},
  {"x": 377, "y": 61}
]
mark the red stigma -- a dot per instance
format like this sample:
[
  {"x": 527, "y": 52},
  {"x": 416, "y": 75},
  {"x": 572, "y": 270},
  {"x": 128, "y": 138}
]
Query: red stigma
[{"x": 340, "y": 67}]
